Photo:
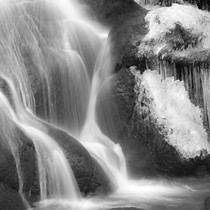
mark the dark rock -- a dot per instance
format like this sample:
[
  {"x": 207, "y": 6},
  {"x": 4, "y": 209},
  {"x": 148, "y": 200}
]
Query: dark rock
[
  {"x": 24, "y": 151},
  {"x": 125, "y": 35},
  {"x": 10, "y": 199},
  {"x": 8, "y": 174},
  {"x": 115, "y": 106},
  {"x": 207, "y": 203},
  {"x": 89, "y": 175},
  {"x": 128, "y": 208},
  {"x": 201, "y": 170},
  {"x": 28, "y": 164},
  {"x": 109, "y": 11},
  {"x": 207, "y": 163}
]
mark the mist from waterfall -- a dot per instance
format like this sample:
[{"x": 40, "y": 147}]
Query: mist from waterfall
[{"x": 55, "y": 62}]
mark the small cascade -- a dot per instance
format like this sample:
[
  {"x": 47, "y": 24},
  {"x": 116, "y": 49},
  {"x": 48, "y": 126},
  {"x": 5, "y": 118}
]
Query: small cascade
[
  {"x": 54, "y": 170},
  {"x": 108, "y": 154},
  {"x": 50, "y": 54}
]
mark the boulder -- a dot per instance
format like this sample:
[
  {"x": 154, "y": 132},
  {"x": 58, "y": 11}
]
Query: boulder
[
  {"x": 142, "y": 140},
  {"x": 23, "y": 149}
]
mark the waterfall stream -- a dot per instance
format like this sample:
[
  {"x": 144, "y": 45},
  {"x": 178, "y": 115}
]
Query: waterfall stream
[{"x": 55, "y": 62}]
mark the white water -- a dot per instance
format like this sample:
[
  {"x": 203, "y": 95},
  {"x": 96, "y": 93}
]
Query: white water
[
  {"x": 64, "y": 44},
  {"x": 171, "y": 106},
  {"x": 162, "y": 23},
  {"x": 108, "y": 154}
]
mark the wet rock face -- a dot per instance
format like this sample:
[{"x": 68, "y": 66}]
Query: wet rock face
[
  {"x": 25, "y": 153},
  {"x": 125, "y": 35},
  {"x": 109, "y": 11},
  {"x": 10, "y": 199},
  {"x": 207, "y": 203}
]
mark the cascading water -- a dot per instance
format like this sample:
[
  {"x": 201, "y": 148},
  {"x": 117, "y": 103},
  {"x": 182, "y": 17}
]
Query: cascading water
[
  {"x": 54, "y": 170},
  {"x": 55, "y": 63}
]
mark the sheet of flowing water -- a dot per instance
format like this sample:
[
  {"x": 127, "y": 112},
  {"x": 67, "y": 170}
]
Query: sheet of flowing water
[
  {"x": 55, "y": 175},
  {"x": 59, "y": 40}
]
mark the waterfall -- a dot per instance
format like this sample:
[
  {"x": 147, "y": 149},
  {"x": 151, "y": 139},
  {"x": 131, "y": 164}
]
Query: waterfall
[
  {"x": 50, "y": 69},
  {"x": 108, "y": 154},
  {"x": 54, "y": 169},
  {"x": 54, "y": 63}
]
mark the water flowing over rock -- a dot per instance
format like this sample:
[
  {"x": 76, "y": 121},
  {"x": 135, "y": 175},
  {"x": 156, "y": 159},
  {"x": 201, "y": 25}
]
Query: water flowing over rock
[
  {"x": 69, "y": 100},
  {"x": 36, "y": 61},
  {"x": 207, "y": 203}
]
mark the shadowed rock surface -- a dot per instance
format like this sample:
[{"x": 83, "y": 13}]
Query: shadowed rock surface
[
  {"x": 10, "y": 199},
  {"x": 89, "y": 175},
  {"x": 207, "y": 203}
]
